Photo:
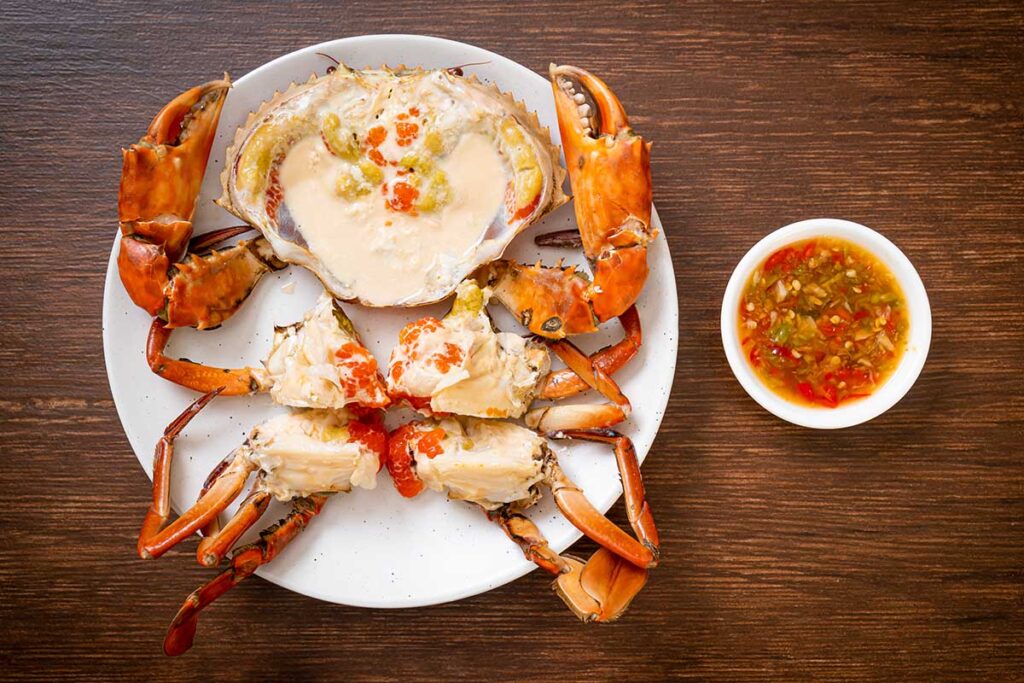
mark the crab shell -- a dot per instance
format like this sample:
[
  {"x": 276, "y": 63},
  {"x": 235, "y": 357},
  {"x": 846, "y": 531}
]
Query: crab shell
[{"x": 356, "y": 102}]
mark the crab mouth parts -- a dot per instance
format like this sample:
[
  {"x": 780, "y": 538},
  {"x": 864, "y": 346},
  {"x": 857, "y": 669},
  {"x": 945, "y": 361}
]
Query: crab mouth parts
[{"x": 587, "y": 111}]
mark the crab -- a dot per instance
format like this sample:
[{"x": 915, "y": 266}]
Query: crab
[
  {"x": 318, "y": 362},
  {"x": 498, "y": 466},
  {"x": 300, "y": 457},
  {"x": 393, "y": 186},
  {"x": 462, "y": 365}
]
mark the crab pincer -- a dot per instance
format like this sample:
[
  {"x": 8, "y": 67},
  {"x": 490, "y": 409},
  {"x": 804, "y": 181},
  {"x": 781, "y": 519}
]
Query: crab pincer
[
  {"x": 609, "y": 169},
  {"x": 180, "y": 280}
]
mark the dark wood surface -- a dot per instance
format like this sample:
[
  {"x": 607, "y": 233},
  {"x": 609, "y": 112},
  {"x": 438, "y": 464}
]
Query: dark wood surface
[{"x": 894, "y": 550}]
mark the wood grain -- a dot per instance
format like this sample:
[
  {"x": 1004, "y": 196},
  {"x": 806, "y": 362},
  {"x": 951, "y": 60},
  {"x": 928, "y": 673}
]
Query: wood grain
[{"x": 893, "y": 551}]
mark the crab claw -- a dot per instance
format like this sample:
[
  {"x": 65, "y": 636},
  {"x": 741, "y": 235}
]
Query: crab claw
[
  {"x": 610, "y": 171},
  {"x": 162, "y": 173},
  {"x": 601, "y": 589},
  {"x": 160, "y": 180},
  {"x": 574, "y": 111}
]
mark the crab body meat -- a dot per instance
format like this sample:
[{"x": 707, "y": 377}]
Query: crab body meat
[
  {"x": 312, "y": 451},
  {"x": 391, "y": 185},
  {"x": 487, "y": 462},
  {"x": 320, "y": 362},
  {"x": 461, "y": 365}
]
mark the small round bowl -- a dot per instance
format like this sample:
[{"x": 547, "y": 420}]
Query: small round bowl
[{"x": 906, "y": 373}]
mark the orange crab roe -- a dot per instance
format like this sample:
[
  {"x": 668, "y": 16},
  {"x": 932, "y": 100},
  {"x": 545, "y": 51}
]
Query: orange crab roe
[
  {"x": 407, "y": 132},
  {"x": 400, "y": 460},
  {"x": 403, "y": 198},
  {"x": 362, "y": 369},
  {"x": 447, "y": 358},
  {"x": 376, "y": 136},
  {"x": 429, "y": 443},
  {"x": 373, "y": 436},
  {"x": 411, "y": 332}
]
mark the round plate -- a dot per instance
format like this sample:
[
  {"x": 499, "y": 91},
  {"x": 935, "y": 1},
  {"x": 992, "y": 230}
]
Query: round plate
[{"x": 373, "y": 548}]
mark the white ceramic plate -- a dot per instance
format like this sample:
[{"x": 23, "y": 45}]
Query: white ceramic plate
[{"x": 372, "y": 548}]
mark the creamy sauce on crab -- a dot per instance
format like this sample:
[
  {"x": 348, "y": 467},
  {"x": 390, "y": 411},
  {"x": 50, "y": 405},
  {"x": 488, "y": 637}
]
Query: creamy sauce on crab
[
  {"x": 304, "y": 453},
  {"x": 382, "y": 254},
  {"x": 488, "y": 463}
]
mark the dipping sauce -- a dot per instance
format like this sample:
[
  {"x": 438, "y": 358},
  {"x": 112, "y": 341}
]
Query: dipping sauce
[{"x": 823, "y": 321}]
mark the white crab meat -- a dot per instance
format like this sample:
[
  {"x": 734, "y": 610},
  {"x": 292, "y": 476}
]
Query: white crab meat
[
  {"x": 311, "y": 451},
  {"x": 486, "y": 462},
  {"x": 320, "y": 363},
  {"x": 391, "y": 186},
  {"x": 463, "y": 366}
]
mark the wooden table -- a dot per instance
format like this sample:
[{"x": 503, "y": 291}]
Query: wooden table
[{"x": 893, "y": 550}]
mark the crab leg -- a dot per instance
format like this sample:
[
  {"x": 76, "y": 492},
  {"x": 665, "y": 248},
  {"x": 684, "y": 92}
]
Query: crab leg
[
  {"x": 561, "y": 417},
  {"x": 244, "y": 562},
  {"x": 585, "y": 517},
  {"x": 160, "y": 509},
  {"x": 564, "y": 383},
  {"x": 154, "y": 541},
  {"x": 530, "y": 540},
  {"x": 194, "y": 375},
  {"x": 637, "y": 509},
  {"x": 598, "y": 590},
  {"x": 214, "y": 525},
  {"x": 216, "y": 545}
]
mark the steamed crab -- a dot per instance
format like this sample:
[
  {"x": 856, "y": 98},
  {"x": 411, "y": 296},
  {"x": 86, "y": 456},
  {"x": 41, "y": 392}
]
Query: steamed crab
[
  {"x": 318, "y": 364},
  {"x": 330, "y": 441},
  {"x": 463, "y": 365},
  {"x": 393, "y": 186},
  {"x": 470, "y": 378}
]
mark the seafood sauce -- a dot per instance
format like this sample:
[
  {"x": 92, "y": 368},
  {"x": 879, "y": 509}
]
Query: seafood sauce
[{"x": 823, "y": 321}]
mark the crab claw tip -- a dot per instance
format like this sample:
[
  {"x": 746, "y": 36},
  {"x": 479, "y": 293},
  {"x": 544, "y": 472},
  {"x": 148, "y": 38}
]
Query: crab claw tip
[{"x": 611, "y": 114}]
